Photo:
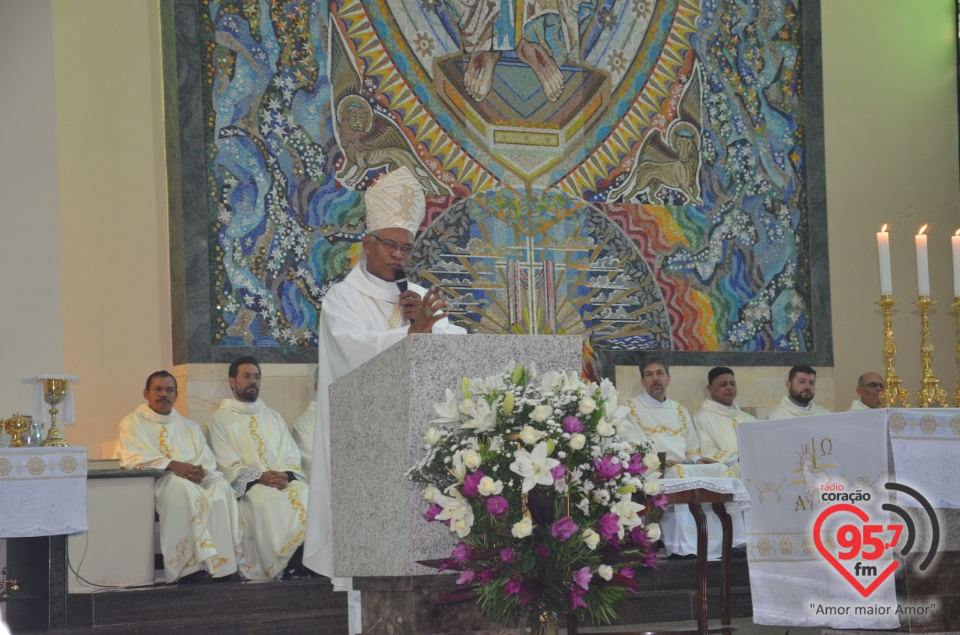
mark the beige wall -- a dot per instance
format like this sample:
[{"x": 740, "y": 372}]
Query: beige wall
[
  {"x": 99, "y": 308},
  {"x": 115, "y": 273},
  {"x": 890, "y": 102}
]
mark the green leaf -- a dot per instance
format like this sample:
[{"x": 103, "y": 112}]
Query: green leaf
[{"x": 528, "y": 563}]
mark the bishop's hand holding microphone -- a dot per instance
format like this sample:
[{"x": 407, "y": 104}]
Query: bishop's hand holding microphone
[{"x": 421, "y": 313}]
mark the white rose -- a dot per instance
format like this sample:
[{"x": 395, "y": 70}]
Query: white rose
[
  {"x": 591, "y": 538},
  {"x": 430, "y": 492},
  {"x": 577, "y": 441},
  {"x": 522, "y": 529},
  {"x": 529, "y": 435},
  {"x": 433, "y": 436},
  {"x": 471, "y": 459},
  {"x": 587, "y": 405},
  {"x": 605, "y": 571},
  {"x": 651, "y": 461},
  {"x": 604, "y": 429},
  {"x": 653, "y": 531},
  {"x": 651, "y": 487},
  {"x": 541, "y": 413},
  {"x": 488, "y": 486}
]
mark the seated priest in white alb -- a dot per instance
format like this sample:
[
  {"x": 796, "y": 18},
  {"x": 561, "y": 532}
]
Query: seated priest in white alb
[
  {"x": 869, "y": 389},
  {"x": 257, "y": 454},
  {"x": 199, "y": 523},
  {"x": 670, "y": 428},
  {"x": 303, "y": 429},
  {"x": 719, "y": 416},
  {"x": 372, "y": 309},
  {"x": 798, "y": 402}
]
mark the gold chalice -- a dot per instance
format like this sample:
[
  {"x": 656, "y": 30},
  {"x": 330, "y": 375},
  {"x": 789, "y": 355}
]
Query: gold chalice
[
  {"x": 54, "y": 391},
  {"x": 15, "y": 427}
]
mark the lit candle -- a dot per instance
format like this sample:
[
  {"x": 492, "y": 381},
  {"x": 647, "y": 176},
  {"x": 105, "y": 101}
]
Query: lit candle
[
  {"x": 923, "y": 270},
  {"x": 883, "y": 247},
  {"x": 955, "y": 243}
]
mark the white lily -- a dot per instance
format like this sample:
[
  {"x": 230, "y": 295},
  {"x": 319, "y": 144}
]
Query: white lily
[
  {"x": 483, "y": 418},
  {"x": 447, "y": 409},
  {"x": 552, "y": 380},
  {"x": 457, "y": 468},
  {"x": 534, "y": 466},
  {"x": 457, "y": 510},
  {"x": 627, "y": 511}
]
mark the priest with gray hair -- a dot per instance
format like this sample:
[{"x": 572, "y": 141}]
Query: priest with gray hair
[{"x": 372, "y": 309}]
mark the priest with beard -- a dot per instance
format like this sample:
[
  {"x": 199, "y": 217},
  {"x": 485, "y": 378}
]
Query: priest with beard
[
  {"x": 719, "y": 416},
  {"x": 199, "y": 522},
  {"x": 362, "y": 316},
  {"x": 670, "y": 428},
  {"x": 798, "y": 402},
  {"x": 259, "y": 457}
]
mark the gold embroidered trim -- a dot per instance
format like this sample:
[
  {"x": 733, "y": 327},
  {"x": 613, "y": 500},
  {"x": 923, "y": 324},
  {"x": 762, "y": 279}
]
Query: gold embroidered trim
[
  {"x": 164, "y": 435},
  {"x": 395, "y": 319},
  {"x": 659, "y": 429},
  {"x": 261, "y": 446}
]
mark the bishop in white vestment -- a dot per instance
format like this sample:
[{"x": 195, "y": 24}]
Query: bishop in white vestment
[
  {"x": 259, "y": 457},
  {"x": 719, "y": 416},
  {"x": 669, "y": 426},
  {"x": 798, "y": 402},
  {"x": 199, "y": 523},
  {"x": 362, "y": 316}
]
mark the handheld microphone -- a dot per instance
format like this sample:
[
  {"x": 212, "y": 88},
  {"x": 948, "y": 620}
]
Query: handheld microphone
[{"x": 401, "y": 279}]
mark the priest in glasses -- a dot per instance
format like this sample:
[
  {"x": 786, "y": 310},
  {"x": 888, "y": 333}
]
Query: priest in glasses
[{"x": 362, "y": 316}]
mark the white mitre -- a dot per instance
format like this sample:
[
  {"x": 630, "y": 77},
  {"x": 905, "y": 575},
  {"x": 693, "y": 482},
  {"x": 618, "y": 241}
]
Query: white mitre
[{"x": 395, "y": 200}]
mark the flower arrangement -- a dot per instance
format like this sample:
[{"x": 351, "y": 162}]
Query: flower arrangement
[{"x": 546, "y": 486}]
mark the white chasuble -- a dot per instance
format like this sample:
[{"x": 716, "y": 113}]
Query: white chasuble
[
  {"x": 669, "y": 426},
  {"x": 359, "y": 319},
  {"x": 249, "y": 439},
  {"x": 858, "y": 405},
  {"x": 716, "y": 426},
  {"x": 787, "y": 410},
  {"x": 199, "y": 523},
  {"x": 303, "y": 435}
]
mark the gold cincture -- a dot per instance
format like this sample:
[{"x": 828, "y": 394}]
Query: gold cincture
[
  {"x": 930, "y": 391},
  {"x": 893, "y": 392},
  {"x": 7, "y": 585},
  {"x": 54, "y": 391}
]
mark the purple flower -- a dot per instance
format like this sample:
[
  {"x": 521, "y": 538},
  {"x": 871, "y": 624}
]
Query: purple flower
[
  {"x": 639, "y": 536},
  {"x": 513, "y": 587},
  {"x": 462, "y": 552},
  {"x": 497, "y": 505},
  {"x": 636, "y": 466},
  {"x": 607, "y": 526},
  {"x": 572, "y": 424},
  {"x": 484, "y": 577},
  {"x": 471, "y": 483},
  {"x": 542, "y": 551},
  {"x": 576, "y": 599},
  {"x": 432, "y": 512},
  {"x": 507, "y": 554},
  {"x": 607, "y": 468},
  {"x": 467, "y": 576},
  {"x": 446, "y": 564},
  {"x": 558, "y": 472},
  {"x": 627, "y": 572},
  {"x": 582, "y": 578},
  {"x": 660, "y": 500},
  {"x": 563, "y": 528}
]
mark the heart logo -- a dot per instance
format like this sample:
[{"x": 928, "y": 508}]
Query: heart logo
[{"x": 862, "y": 515}]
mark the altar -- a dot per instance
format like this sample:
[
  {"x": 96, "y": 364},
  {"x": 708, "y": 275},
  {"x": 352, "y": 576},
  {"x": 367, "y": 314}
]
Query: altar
[{"x": 900, "y": 468}]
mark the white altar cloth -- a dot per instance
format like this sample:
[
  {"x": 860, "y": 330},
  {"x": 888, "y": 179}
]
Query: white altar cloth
[
  {"x": 926, "y": 454},
  {"x": 784, "y": 465},
  {"x": 734, "y": 486},
  {"x": 43, "y": 491}
]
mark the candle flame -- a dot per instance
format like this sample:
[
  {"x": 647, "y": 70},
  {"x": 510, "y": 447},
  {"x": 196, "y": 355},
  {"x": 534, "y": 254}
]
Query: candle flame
[
  {"x": 922, "y": 229},
  {"x": 884, "y": 228},
  {"x": 958, "y": 233}
]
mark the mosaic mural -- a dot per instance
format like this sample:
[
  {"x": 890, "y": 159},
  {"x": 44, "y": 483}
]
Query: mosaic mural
[{"x": 633, "y": 171}]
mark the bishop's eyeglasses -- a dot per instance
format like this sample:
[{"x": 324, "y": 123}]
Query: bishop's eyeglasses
[{"x": 392, "y": 245}]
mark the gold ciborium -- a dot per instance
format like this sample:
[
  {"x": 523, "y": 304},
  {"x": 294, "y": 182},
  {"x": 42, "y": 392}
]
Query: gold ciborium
[
  {"x": 54, "y": 391},
  {"x": 15, "y": 427}
]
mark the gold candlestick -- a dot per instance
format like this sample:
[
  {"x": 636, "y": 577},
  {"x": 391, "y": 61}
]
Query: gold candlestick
[
  {"x": 956, "y": 310},
  {"x": 930, "y": 391},
  {"x": 893, "y": 392},
  {"x": 7, "y": 585}
]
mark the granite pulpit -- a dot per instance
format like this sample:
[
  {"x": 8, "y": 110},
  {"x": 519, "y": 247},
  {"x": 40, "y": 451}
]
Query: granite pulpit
[{"x": 379, "y": 414}]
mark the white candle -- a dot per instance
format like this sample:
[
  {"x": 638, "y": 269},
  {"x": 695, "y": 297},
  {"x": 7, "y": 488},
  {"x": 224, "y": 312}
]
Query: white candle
[
  {"x": 955, "y": 243},
  {"x": 883, "y": 247},
  {"x": 923, "y": 270}
]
